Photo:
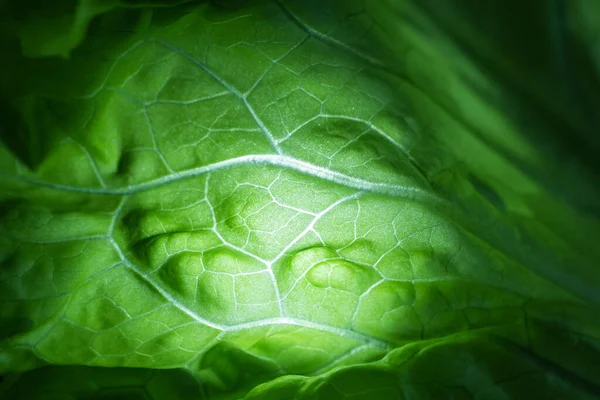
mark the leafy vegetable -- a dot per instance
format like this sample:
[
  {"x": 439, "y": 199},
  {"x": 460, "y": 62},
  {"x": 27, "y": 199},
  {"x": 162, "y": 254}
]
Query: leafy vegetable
[{"x": 323, "y": 199}]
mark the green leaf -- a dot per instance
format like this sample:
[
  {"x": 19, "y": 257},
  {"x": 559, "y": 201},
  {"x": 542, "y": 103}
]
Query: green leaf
[{"x": 274, "y": 200}]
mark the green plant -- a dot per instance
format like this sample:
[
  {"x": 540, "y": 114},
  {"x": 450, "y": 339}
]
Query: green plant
[{"x": 299, "y": 200}]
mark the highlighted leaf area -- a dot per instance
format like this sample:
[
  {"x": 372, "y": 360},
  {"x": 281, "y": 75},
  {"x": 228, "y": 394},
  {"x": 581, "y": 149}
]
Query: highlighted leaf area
[{"x": 273, "y": 200}]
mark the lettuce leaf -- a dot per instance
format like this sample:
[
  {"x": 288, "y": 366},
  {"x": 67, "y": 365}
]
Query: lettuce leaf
[{"x": 299, "y": 200}]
